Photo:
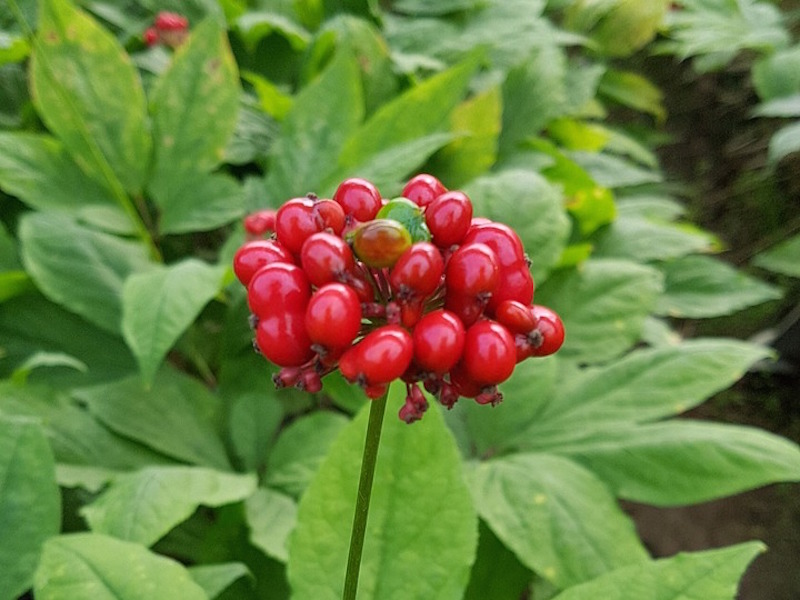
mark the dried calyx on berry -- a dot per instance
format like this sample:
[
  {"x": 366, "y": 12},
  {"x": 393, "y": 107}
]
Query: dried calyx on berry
[{"x": 413, "y": 288}]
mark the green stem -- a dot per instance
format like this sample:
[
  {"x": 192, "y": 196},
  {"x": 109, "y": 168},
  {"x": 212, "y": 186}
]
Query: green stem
[{"x": 376, "y": 411}]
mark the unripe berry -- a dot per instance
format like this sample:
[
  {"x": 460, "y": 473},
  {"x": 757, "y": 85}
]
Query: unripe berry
[{"x": 380, "y": 243}]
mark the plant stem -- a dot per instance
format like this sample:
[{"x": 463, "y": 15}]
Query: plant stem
[{"x": 373, "y": 438}]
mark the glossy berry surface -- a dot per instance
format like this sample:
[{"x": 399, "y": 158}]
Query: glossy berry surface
[
  {"x": 423, "y": 189},
  {"x": 414, "y": 289},
  {"x": 472, "y": 270},
  {"x": 489, "y": 353},
  {"x": 449, "y": 217},
  {"x": 333, "y": 316},
  {"x": 438, "y": 341},
  {"x": 253, "y": 255},
  {"x": 359, "y": 199}
]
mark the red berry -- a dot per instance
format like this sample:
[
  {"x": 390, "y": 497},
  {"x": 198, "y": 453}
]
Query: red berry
[
  {"x": 260, "y": 222},
  {"x": 282, "y": 339},
  {"x": 489, "y": 353},
  {"x": 382, "y": 356},
  {"x": 169, "y": 21},
  {"x": 515, "y": 316},
  {"x": 423, "y": 189},
  {"x": 467, "y": 308},
  {"x": 462, "y": 383},
  {"x": 500, "y": 238},
  {"x": 449, "y": 218},
  {"x": 150, "y": 36},
  {"x": 472, "y": 270},
  {"x": 359, "y": 198},
  {"x": 551, "y": 329},
  {"x": 300, "y": 218},
  {"x": 328, "y": 215},
  {"x": 381, "y": 242},
  {"x": 438, "y": 341},
  {"x": 278, "y": 288},
  {"x": 253, "y": 255},
  {"x": 418, "y": 272},
  {"x": 333, "y": 316},
  {"x": 514, "y": 283},
  {"x": 325, "y": 258}
]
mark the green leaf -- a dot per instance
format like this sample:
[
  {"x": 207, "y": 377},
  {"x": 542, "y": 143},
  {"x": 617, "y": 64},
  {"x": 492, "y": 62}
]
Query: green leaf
[
  {"x": 300, "y": 449},
  {"x": 253, "y": 422},
  {"x": 30, "y": 502},
  {"x": 160, "y": 304},
  {"x": 76, "y": 438},
  {"x": 684, "y": 462},
  {"x": 510, "y": 30},
  {"x": 202, "y": 202},
  {"x": 555, "y": 516},
  {"x": 784, "y": 142},
  {"x": 201, "y": 86},
  {"x": 496, "y": 573},
  {"x": 590, "y": 204},
  {"x": 716, "y": 31},
  {"x": 215, "y": 579},
  {"x": 710, "y": 575},
  {"x": 505, "y": 195},
  {"x": 785, "y": 106},
  {"x": 644, "y": 240},
  {"x": 89, "y": 94},
  {"x": 533, "y": 94},
  {"x": 782, "y": 258},
  {"x": 45, "y": 359},
  {"x": 177, "y": 416},
  {"x": 777, "y": 75},
  {"x": 79, "y": 268},
  {"x": 414, "y": 115},
  {"x": 613, "y": 171},
  {"x": 313, "y": 134},
  {"x": 255, "y": 25},
  {"x": 143, "y": 506},
  {"x": 697, "y": 287},
  {"x": 617, "y": 27},
  {"x": 645, "y": 385},
  {"x": 478, "y": 119},
  {"x": 30, "y": 324},
  {"x": 14, "y": 283},
  {"x": 37, "y": 169},
  {"x": 91, "y": 565},
  {"x": 13, "y": 48},
  {"x": 525, "y": 394},
  {"x": 388, "y": 166},
  {"x": 603, "y": 304},
  {"x": 651, "y": 207},
  {"x": 421, "y": 517},
  {"x": 271, "y": 517}
]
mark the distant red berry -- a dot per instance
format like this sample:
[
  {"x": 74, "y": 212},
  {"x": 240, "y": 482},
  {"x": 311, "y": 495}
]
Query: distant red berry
[
  {"x": 170, "y": 21},
  {"x": 150, "y": 36}
]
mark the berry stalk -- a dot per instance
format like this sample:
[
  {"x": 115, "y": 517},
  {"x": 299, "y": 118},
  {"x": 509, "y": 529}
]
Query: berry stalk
[{"x": 376, "y": 411}]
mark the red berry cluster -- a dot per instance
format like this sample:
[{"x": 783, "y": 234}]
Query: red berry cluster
[
  {"x": 168, "y": 28},
  {"x": 412, "y": 288}
]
